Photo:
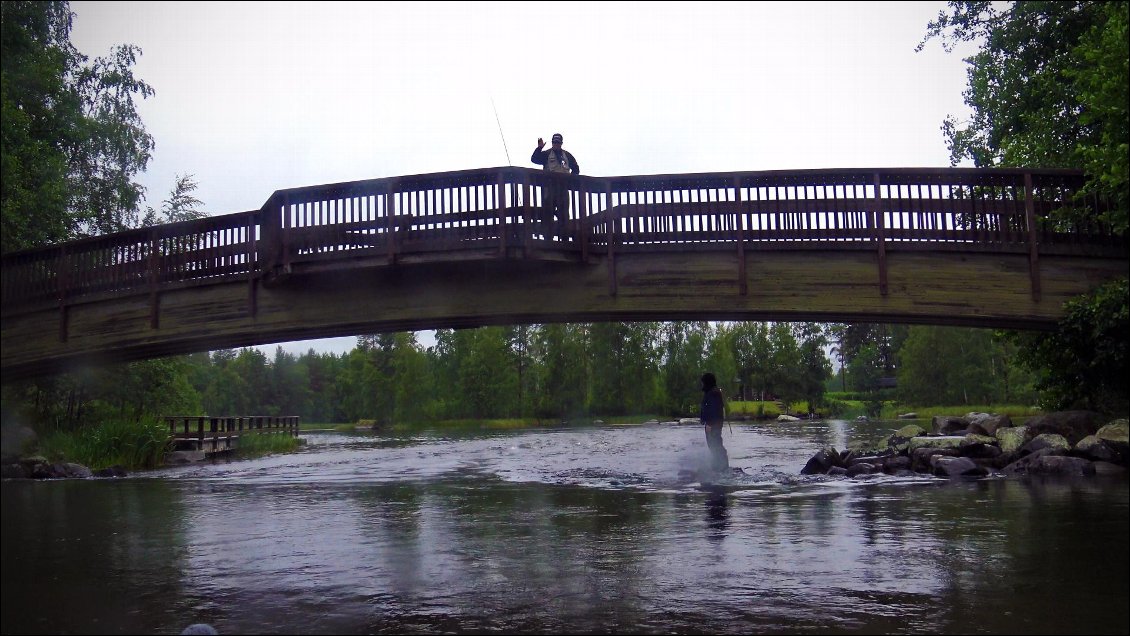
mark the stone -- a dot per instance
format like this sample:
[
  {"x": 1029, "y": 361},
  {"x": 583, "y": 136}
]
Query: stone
[
  {"x": 1012, "y": 439},
  {"x": 823, "y": 460},
  {"x": 1053, "y": 441},
  {"x": 895, "y": 465},
  {"x": 1114, "y": 435},
  {"x": 1061, "y": 465},
  {"x": 900, "y": 439},
  {"x": 76, "y": 471},
  {"x": 113, "y": 471},
  {"x": 920, "y": 458},
  {"x": 837, "y": 471},
  {"x": 953, "y": 467},
  {"x": 1072, "y": 425},
  {"x": 981, "y": 451},
  {"x": 861, "y": 468},
  {"x": 972, "y": 439},
  {"x": 948, "y": 424},
  {"x": 989, "y": 424},
  {"x": 908, "y": 416},
  {"x": 948, "y": 441},
  {"x": 787, "y": 418},
  {"x": 1095, "y": 449}
]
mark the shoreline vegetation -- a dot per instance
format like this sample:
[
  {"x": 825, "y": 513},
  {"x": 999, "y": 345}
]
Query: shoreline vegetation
[{"x": 144, "y": 445}]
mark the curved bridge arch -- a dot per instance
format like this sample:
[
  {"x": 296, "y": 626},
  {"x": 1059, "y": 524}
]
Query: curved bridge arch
[{"x": 935, "y": 246}]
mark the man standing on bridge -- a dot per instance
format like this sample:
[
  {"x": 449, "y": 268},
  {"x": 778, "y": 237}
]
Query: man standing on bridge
[{"x": 559, "y": 164}]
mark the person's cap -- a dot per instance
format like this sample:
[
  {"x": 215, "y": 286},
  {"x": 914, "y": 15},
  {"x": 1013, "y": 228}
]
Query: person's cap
[{"x": 557, "y": 138}]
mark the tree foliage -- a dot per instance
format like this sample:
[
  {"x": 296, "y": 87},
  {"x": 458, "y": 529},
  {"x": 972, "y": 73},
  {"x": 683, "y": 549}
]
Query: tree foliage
[
  {"x": 1083, "y": 363},
  {"x": 1048, "y": 88},
  {"x": 72, "y": 140}
]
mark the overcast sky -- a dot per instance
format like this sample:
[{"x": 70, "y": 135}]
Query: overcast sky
[{"x": 256, "y": 97}]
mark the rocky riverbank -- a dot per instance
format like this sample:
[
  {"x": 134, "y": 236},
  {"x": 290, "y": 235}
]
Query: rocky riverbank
[{"x": 1069, "y": 443}]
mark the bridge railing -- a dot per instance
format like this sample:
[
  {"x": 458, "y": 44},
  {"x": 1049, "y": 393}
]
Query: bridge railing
[
  {"x": 145, "y": 259},
  {"x": 908, "y": 208},
  {"x": 494, "y": 211},
  {"x": 203, "y": 432}
]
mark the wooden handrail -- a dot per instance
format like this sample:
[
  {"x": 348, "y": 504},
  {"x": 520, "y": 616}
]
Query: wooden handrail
[{"x": 489, "y": 209}]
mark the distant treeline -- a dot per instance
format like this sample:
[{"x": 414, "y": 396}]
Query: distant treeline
[{"x": 557, "y": 371}]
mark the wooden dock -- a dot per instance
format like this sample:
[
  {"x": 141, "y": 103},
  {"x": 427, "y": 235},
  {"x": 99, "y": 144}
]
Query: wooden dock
[{"x": 221, "y": 434}]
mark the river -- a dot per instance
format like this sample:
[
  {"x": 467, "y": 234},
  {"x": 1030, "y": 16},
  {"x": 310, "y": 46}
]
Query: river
[{"x": 590, "y": 530}]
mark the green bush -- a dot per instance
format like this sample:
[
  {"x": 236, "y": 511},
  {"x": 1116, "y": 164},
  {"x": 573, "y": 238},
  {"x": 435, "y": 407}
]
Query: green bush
[{"x": 132, "y": 445}]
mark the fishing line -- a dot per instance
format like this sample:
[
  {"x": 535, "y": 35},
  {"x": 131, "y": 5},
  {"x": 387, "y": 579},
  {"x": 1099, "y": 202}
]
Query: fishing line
[{"x": 499, "y": 122}]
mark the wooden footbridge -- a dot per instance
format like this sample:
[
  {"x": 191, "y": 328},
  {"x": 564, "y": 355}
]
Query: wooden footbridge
[
  {"x": 973, "y": 247},
  {"x": 210, "y": 435}
]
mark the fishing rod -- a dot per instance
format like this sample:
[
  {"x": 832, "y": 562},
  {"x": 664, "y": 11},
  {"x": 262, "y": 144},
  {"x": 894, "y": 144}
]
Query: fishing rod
[{"x": 499, "y": 122}]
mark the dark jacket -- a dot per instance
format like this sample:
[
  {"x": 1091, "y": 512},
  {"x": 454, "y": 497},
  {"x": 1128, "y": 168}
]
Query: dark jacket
[
  {"x": 712, "y": 410},
  {"x": 541, "y": 157}
]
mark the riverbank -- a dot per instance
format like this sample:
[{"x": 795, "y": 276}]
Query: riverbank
[{"x": 1067, "y": 443}]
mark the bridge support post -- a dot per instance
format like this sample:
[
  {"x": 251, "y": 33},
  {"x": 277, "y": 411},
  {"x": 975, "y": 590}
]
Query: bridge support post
[
  {"x": 879, "y": 234},
  {"x": 612, "y": 223},
  {"x": 64, "y": 281},
  {"x": 154, "y": 298},
  {"x": 743, "y": 284},
  {"x": 499, "y": 199},
  {"x": 253, "y": 271},
  {"x": 1033, "y": 237},
  {"x": 528, "y": 225},
  {"x": 390, "y": 224}
]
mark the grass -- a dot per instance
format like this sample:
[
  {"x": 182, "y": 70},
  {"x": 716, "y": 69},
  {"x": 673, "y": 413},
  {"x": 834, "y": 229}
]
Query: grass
[
  {"x": 132, "y": 445},
  {"x": 260, "y": 444},
  {"x": 760, "y": 409}
]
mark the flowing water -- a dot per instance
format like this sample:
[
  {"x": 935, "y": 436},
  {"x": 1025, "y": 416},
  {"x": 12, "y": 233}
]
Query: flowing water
[{"x": 592, "y": 530}]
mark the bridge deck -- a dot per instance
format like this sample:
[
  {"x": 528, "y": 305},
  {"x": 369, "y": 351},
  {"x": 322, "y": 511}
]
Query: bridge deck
[{"x": 886, "y": 236}]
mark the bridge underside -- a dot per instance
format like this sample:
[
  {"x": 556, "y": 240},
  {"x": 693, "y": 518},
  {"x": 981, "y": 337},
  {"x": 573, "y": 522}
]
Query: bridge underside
[{"x": 967, "y": 289}]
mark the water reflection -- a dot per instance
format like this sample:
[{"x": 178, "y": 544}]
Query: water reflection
[
  {"x": 561, "y": 531},
  {"x": 717, "y": 515}
]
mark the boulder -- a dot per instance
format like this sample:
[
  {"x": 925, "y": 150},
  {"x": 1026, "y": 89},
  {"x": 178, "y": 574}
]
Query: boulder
[
  {"x": 76, "y": 471},
  {"x": 920, "y": 458},
  {"x": 1012, "y": 439},
  {"x": 908, "y": 416},
  {"x": 972, "y": 439},
  {"x": 894, "y": 465},
  {"x": 900, "y": 439},
  {"x": 989, "y": 424},
  {"x": 861, "y": 468},
  {"x": 787, "y": 418},
  {"x": 837, "y": 471},
  {"x": 949, "y": 425},
  {"x": 1056, "y": 443},
  {"x": 1093, "y": 448},
  {"x": 1114, "y": 435},
  {"x": 949, "y": 441},
  {"x": 823, "y": 460},
  {"x": 981, "y": 451},
  {"x": 1072, "y": 425},
  {"x": 1061, "y": 465},
  {"x": 953, "y": 467},
  {"x": 113, "y": 471},
  {"x": 1033, "y": 464}
]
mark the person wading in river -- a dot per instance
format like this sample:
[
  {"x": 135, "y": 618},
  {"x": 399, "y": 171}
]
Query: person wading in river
[{"x": 712, "y": 413}]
